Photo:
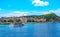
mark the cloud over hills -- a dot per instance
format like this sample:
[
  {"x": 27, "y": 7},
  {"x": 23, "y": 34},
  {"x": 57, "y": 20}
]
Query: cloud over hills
[{"x": 26, "y": 13}]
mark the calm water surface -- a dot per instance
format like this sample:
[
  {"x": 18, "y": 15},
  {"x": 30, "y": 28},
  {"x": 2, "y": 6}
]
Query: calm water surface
[{"x": 31, "y": 30}]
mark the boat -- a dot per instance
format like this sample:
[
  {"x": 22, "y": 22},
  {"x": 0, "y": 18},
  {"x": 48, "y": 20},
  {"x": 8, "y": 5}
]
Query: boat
[{"x": 17, "y": 24}]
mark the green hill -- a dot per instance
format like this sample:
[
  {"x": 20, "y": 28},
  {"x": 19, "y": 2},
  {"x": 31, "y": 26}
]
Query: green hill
[{"x": 51, "y": 17}]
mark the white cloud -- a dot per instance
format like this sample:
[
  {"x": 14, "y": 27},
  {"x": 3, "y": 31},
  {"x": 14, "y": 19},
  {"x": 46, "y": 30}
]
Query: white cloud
[
  {"x": 45, "y": 12},
  {"x": 40, "y": 3},
  {"x": 57, "y": 11},
  {"x": 15, "y": 13},
  {"x": 48, "y": 12},
  {"x": 24, "y": 13},
  {"x": 51, "y": 11}
]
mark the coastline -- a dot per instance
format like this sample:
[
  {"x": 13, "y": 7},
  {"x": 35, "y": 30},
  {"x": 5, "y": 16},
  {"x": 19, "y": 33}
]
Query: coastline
[{"x": 27, "y": 22}]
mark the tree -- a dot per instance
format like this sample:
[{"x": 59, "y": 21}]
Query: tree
[
  {"x": 10, "y": 20},
  {"x": 18, "y": 20}
]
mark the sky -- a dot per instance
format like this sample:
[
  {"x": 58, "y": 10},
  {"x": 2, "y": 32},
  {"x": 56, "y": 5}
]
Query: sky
[{"x": 10, "y": 8}]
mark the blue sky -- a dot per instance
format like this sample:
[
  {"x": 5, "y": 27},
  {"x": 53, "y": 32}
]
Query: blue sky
[{"x": 9, "y": 8}]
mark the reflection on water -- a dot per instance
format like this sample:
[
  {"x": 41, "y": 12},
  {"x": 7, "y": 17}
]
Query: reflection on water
[{"x": 31, "y": 30}]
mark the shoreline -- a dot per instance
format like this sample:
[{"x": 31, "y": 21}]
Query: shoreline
[{"x": 27, "y": 22}]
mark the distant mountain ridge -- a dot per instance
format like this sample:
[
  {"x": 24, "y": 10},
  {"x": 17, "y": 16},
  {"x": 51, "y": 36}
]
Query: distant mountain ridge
[{"x": 49, "y": 17}]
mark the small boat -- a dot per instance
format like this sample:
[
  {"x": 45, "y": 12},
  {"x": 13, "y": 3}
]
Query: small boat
[{"x": 17, "y": 24}]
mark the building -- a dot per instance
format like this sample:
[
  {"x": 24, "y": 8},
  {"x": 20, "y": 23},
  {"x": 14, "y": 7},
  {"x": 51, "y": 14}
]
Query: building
[{"x": 23, "y": 19}]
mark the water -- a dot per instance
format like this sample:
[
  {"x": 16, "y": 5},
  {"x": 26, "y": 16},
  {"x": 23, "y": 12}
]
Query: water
[{"x": 31, "y": 30}]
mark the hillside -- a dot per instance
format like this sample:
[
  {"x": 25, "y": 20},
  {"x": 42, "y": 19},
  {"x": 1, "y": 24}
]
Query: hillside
[{"x": 51, "y": 17}]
